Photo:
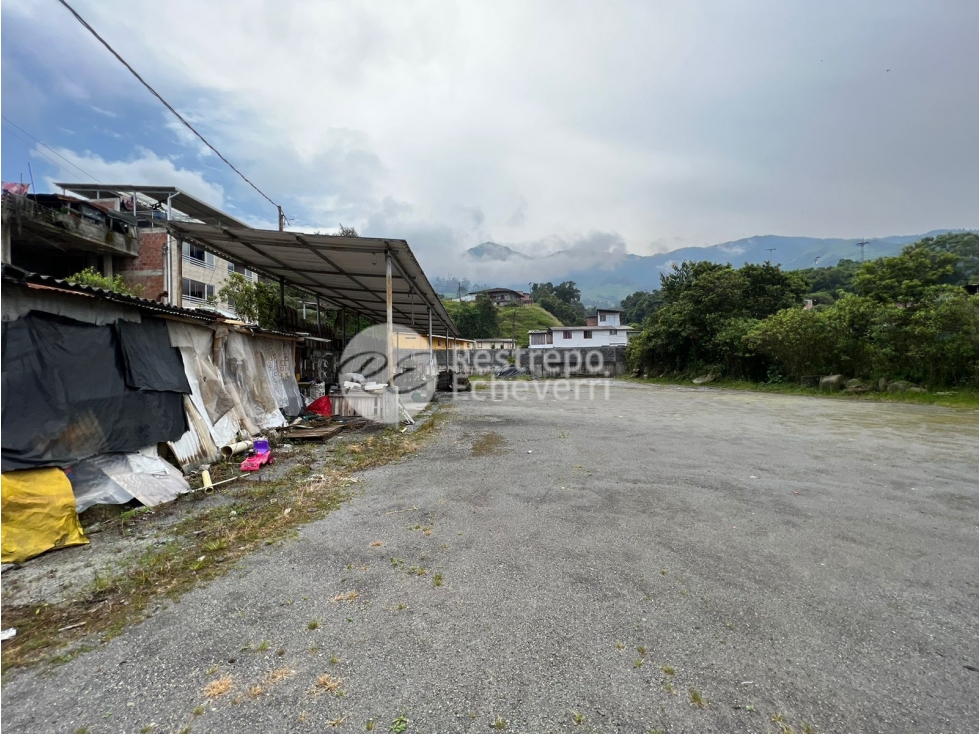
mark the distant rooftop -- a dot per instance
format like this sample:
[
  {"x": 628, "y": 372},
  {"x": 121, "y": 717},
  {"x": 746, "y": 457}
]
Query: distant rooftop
[{"x": 180, "y": 200}]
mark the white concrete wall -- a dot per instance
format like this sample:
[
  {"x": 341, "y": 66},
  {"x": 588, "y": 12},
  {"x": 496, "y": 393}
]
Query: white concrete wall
[
  {"x": 611, "y": 318},
  {"x": 600, "y": 337}
]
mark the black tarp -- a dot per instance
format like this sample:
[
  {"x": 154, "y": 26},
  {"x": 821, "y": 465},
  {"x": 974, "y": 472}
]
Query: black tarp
[
  {"x": 151, "y": 363},
  {"x": 65, "y": 396}
]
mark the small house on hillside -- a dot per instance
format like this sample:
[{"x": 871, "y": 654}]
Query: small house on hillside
[
  {"x": 501, "y": 296},
  {"x": 602, "y": 330}
]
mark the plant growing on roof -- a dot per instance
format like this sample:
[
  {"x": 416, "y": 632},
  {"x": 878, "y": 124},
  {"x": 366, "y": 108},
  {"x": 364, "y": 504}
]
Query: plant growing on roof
[{"x": 93, "y": 278}]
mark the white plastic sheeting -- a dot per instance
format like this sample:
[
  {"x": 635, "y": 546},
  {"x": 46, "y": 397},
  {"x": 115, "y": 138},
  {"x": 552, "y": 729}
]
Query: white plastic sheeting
[
  {"x": 244, "y": 367},
  {"x": 240, "y": 385},
  {"x": 114, "y": 479}
]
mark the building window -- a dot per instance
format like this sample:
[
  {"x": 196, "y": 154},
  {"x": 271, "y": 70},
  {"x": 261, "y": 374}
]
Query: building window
[
  {"x": 232, "y": 268},
  {"x": 198, "y": 255},
  {"x": 587, "y": 335},
  {"x": 537, "y": 338},
  {"x": 194, "y": 290},
  {"x": 613, "y": 332},
  {"x": 601, "y": 317},
  {"x": 567, "y": 335}
]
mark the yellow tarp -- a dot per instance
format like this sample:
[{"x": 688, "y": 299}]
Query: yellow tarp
[{"x": 37, "y": 513}]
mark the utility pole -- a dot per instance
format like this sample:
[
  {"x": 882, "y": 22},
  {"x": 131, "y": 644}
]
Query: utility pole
[
  {"x": 862, "y": 244},
  {"x": 770, "y": 251},
  {"x": 282, "y": 220}
]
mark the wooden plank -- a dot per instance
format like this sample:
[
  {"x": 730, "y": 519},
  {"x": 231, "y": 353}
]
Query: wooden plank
[{"x": 312, "y": 434}]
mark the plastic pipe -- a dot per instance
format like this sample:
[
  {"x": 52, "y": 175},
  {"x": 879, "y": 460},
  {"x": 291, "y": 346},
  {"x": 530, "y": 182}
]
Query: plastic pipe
[{"x": 236, "y": 448}]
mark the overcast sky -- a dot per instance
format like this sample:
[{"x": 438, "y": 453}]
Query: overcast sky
[{"x": 607, "y": 126}]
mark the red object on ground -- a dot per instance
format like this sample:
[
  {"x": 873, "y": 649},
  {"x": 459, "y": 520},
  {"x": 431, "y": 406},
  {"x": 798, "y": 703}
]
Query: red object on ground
[
  {"x": 257, "y": 461},
  {"x": 321, "y": 406}
]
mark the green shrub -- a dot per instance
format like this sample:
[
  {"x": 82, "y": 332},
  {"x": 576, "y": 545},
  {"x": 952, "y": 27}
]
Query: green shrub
[{"x": 93, "y": 278}]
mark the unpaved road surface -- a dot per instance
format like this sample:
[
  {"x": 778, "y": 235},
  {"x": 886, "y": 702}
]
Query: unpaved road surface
[{"x": 804, "y": 560}]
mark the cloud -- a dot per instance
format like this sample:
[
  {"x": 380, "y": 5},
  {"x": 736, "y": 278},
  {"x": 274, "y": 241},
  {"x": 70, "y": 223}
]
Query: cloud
[
  {"x": 145, "y": 167},
  {"x": 732, "y": 249},
  {"x": 185, "y": 137},
  {"x": 519, "y": 216},
  {"x": 550, "y": 258},
  {"x": 106, "y": 113},
  {"x": 554, "y": 127}
]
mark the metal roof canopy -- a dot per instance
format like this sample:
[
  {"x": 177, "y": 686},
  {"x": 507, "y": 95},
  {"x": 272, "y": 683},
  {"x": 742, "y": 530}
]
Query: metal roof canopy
[
  {"x": 347, "y": 272},
  {"x": 181, "y": 200}
]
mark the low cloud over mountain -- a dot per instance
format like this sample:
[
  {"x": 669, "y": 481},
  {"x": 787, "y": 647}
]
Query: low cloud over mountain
[{"x": 606, "y": 273}]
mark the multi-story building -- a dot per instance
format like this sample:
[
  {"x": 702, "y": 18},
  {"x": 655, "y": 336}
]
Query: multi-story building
[
  {"x": 118, "y": 230},
  {"x": 604, "y": 329},
  {"x": 202, "y": 275}
]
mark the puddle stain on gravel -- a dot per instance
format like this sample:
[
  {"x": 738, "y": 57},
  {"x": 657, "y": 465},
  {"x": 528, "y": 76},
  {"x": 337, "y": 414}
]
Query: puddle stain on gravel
[{"x": 487, "y": 444}]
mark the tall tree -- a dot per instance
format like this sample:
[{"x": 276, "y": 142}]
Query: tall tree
[
  {"x": 637, "y": 306},
  {"x": 909, "y": 277},
  {"x": 479, "y": 319}
]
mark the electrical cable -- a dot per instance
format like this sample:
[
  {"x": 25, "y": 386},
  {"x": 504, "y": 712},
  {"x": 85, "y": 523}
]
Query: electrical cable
[
  {"x": 166, "y": 104},
  {"x": 77, "y": 168}
]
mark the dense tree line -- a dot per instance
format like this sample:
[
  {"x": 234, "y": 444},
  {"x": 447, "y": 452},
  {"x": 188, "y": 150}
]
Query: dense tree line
[
  {"x": 479, "y": 319},
  {"x": 898, "y": 317},
  {"x": 562, "y": 300}
]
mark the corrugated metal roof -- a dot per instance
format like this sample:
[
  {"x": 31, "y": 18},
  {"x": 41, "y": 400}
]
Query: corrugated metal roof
[
  {"x": 13, "y": 274},
  {"x": 347, "y": 272}
]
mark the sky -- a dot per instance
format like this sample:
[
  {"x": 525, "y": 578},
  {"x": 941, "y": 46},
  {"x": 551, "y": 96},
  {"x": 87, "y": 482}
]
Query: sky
[{"x": 597, "y": 127}]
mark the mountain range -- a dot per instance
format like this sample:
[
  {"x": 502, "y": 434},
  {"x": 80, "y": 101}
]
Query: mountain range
[{"x": 620, "y": 274}]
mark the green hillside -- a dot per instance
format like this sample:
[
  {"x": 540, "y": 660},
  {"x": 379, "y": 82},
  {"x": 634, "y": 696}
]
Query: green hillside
[{"x": 515, "y": 321}]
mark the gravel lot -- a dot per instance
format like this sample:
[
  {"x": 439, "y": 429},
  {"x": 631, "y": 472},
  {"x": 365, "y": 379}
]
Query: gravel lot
[{"x": 792, "y": 560}]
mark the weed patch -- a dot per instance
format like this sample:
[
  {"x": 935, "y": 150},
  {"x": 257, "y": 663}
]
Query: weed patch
[
  {"x": 278, "y": 675},
  {"x": 328, "y": 683},
  {"x": 218, "y": 687}
]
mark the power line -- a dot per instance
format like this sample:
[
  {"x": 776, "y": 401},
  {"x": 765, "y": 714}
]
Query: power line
[
  {"x": 77, "y": 168},
  {"x": 50, "y": 160},
  {"x": 166, "y": 104}
]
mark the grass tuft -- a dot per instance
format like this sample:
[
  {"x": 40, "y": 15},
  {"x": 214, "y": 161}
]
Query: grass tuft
[
  {"x": 218, "y": 687},
  {"x": 278, "y": 675},
  {"x": 328, "y": 683},
  {"x": 697, "y": 699}
]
